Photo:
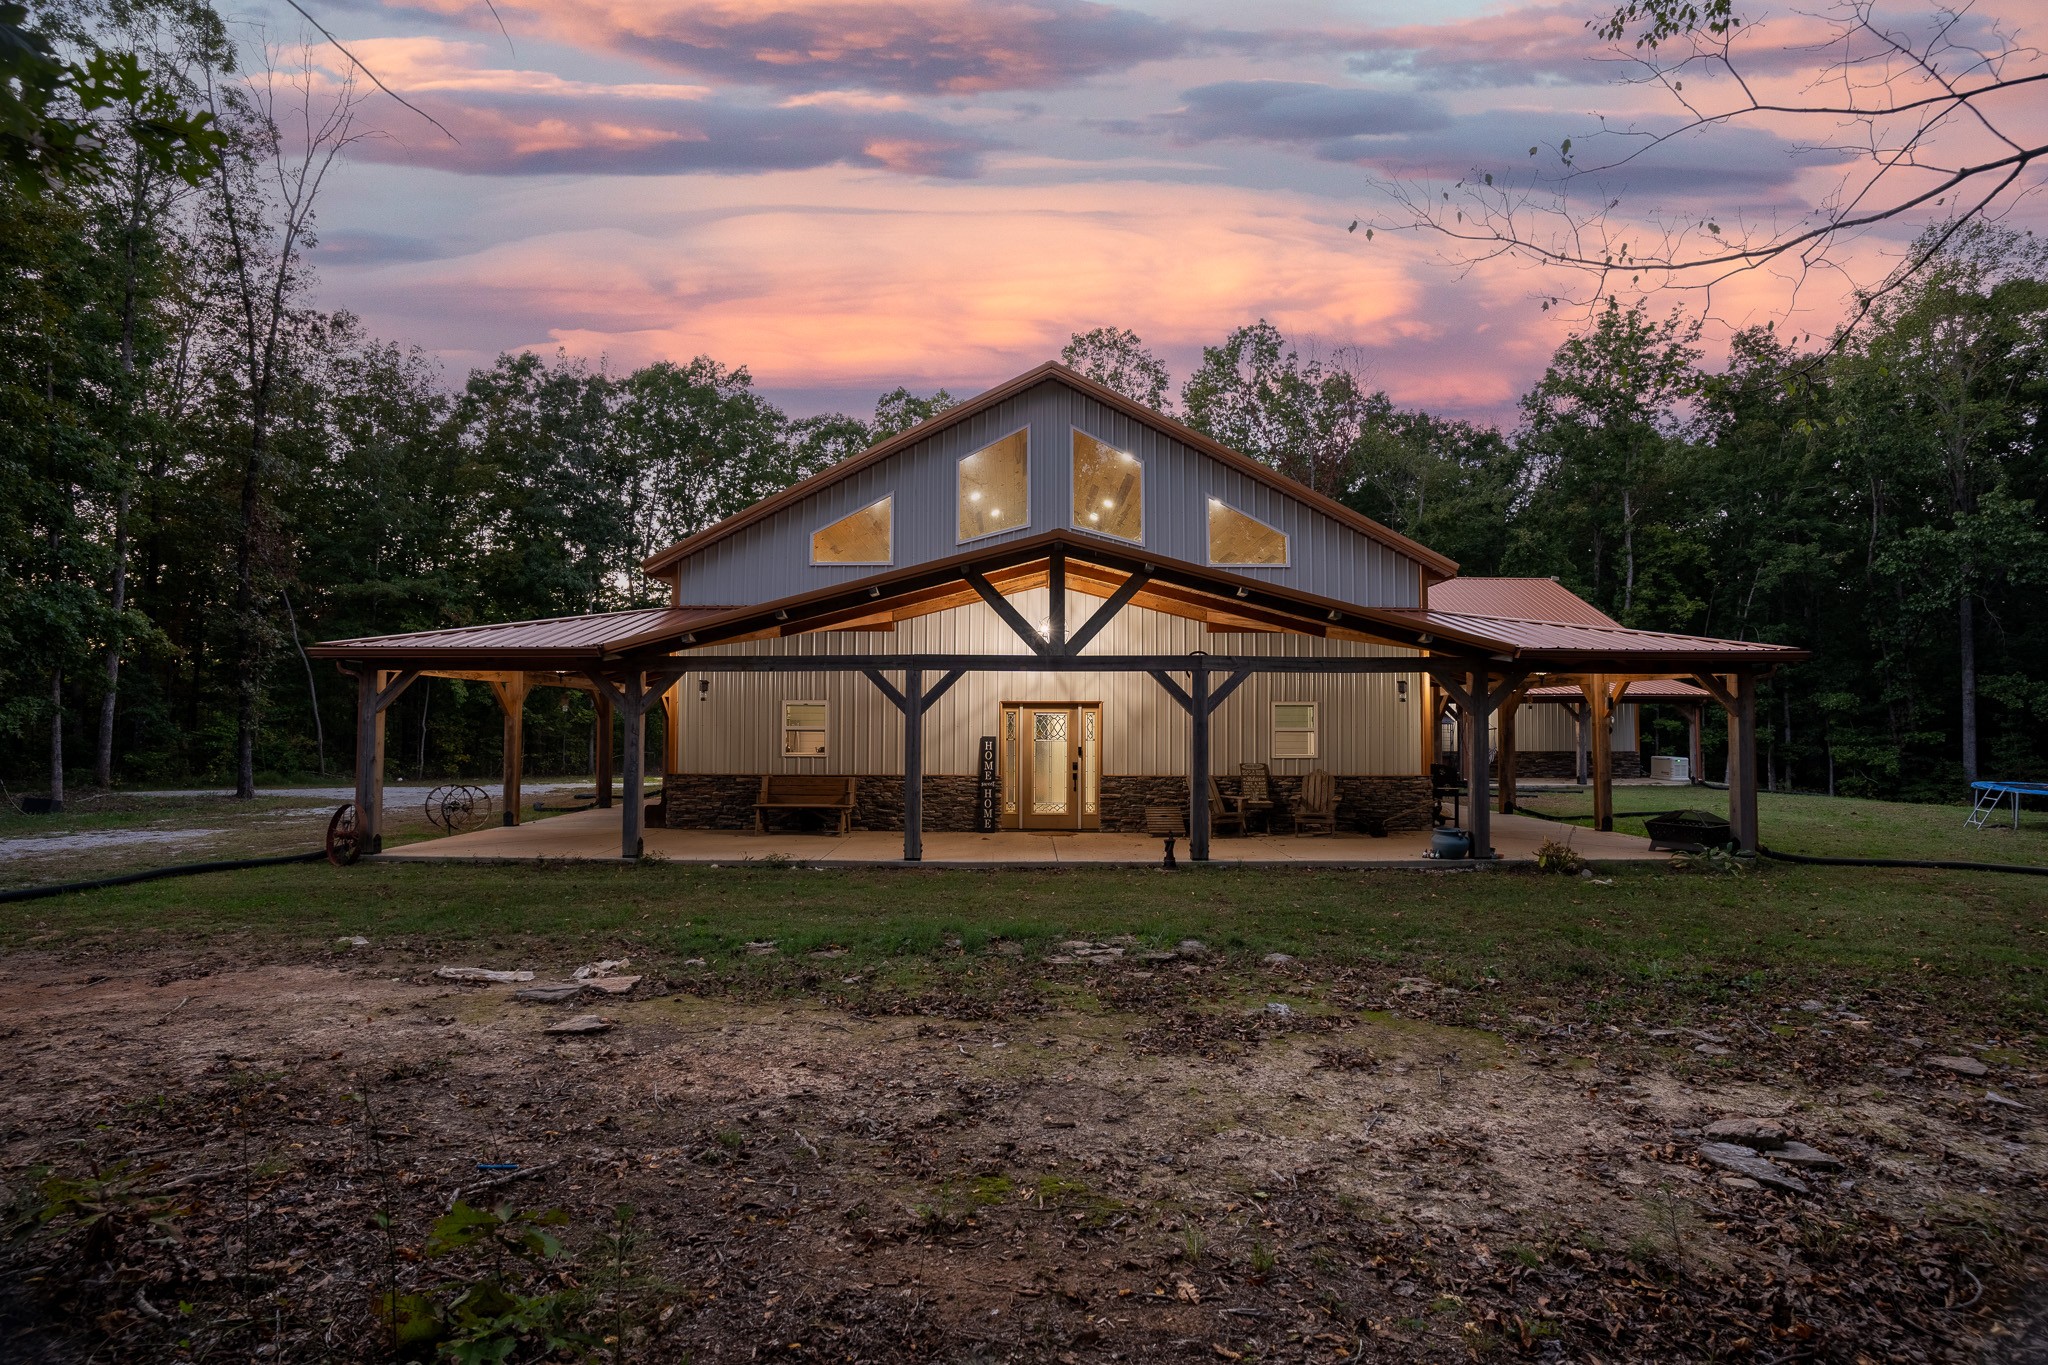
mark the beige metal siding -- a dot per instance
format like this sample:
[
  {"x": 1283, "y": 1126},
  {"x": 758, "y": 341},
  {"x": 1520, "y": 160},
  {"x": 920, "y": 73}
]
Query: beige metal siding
[
  {"x": 734, "y": 728},
  {"x": 1545, "y": 725}
]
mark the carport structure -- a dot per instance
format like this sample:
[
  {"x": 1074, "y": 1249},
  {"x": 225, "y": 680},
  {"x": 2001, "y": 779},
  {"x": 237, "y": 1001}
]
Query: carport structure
[{"x": 634, "y": 661}]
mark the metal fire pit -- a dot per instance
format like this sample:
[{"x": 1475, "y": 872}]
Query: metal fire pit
[{"x": 1689, "y": 830}]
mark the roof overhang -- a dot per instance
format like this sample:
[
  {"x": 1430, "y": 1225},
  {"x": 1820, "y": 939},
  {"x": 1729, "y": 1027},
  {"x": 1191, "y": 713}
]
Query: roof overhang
[{"x": 1090, "y": 563}]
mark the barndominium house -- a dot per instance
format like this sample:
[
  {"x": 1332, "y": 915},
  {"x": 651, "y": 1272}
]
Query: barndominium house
[{"x": 1132, "y": 611}]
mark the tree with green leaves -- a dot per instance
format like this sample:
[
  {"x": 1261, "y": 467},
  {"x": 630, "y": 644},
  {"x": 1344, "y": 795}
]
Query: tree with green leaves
[
  {"x": 1603, "y": 432},
  {"x": 899, "y": 410},
  {"x": 1303, "y": 415},
  {"x": 1935, "y": 390},
  {"x": 1116, "y": 358}
]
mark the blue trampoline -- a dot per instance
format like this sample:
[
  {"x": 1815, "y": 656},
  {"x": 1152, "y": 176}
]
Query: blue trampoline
[{"x": 1992, "y": 795}]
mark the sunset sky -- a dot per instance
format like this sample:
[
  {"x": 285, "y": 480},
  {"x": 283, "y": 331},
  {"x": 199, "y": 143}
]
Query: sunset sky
[{"x": 845, "y": 195}]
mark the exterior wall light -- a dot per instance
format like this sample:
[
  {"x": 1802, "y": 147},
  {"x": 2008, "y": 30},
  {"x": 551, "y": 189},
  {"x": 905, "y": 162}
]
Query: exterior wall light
[
  {"x": 703, "y": 688},
  {"x": 1401, "y": 689}
]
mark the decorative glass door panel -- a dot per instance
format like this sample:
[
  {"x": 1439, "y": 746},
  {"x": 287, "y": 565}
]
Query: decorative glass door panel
[
  {"x": 1052, "y": 749},
  {"x": 1051, "y": 757}
]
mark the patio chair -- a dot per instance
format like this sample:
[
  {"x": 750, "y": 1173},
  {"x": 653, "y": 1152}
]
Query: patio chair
[
  {"x": 1255, "y": 787},
  {"x": 1445, "y": 782},
  {"x": 1226, "y": 813},
  {"x": 1315, "y": 810}
]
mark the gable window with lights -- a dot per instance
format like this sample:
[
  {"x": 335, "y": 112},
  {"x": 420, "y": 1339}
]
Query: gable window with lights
[
  {"x": 1109, "y": 489},
  {"x": 1243, "y": 542},
  {"x": 995, "y": 487},
  {"x": 863, "y": 537},
  {"x": 1294, "y": 729},
  {"x": 803, "y": 729}
]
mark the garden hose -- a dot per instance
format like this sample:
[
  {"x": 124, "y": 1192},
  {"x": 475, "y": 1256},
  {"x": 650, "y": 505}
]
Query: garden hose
[
  {"x": 1939, "y": 864},
  {"x": 36, "y": 893}
]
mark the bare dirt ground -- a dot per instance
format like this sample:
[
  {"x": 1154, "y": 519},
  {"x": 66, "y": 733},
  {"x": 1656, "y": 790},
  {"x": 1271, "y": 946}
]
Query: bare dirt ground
[{"x": 216, "y": 1159}]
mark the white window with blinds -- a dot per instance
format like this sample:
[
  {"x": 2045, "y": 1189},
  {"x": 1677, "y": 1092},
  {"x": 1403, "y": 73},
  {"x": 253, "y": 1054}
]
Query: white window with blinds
[
  {"x": 1294, "y": 729},
  {"x": 803, "y": 729}
]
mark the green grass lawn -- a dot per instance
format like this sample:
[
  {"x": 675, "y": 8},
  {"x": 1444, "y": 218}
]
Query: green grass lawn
[
  {"x": 1647, "y": 928},
  {"x": 1829, "y": 826}
]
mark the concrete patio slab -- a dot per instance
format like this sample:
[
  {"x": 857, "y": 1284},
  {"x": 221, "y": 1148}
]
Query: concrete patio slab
[{"x": 593, "y": 835}]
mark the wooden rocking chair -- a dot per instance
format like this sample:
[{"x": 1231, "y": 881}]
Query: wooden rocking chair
[
  {"x": 1226, "y": 813},
  {"x": 1315, "y": 810}
]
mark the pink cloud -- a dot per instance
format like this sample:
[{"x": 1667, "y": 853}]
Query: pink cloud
[
  {"x": 523, "y": 122},
  {"x": 932, "y": 46}
]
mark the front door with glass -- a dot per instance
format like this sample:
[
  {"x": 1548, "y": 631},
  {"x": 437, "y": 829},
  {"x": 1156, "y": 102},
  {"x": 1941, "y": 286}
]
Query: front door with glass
[{"x": 1051, "y": 758}]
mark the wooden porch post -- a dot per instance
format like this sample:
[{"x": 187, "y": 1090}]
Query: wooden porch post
[
  {"x": 1581, "y": 739},
  {"x": 512, "y": 700},
  {"x": 369, "y": 762},
  {"x": 1198, "y": 762},
  {"x": 672, "y": 729},
  {"x": 376, "y": 689},
  {"x": 1742, "y": 763},
  {"x": 602, "y": 742},
  {"x": 633, "y": 770},
  {"x": 1508, "y": 756},
  {"x": 913, "y": 765},
  {"x": 1476, "y": 775},
  {"x": 1696, "y": 754},
  {"x": 1600, "y": 720}
]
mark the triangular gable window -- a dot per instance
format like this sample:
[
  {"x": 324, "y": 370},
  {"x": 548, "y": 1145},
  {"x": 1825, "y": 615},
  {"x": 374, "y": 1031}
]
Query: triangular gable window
[
  {"x": 864, "y": 537},
  {"x": 1239, "y": 541}
]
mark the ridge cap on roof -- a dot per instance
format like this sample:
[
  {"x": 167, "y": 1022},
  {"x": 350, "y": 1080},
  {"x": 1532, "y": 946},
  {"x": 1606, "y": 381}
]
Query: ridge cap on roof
[{"x": 1038, "y": 374}]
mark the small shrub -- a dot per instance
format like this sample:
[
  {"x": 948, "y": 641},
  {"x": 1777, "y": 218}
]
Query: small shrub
[{"x": 1560, "y": 858}]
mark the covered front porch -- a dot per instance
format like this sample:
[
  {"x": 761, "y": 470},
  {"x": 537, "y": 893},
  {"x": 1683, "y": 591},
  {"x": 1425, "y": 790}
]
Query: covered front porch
[
  {"x": 636, "y": 662},
  {"x": 593, "y": 836}
]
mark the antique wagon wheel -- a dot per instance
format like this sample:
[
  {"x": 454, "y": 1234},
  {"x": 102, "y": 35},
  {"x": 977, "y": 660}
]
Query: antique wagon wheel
[
  {"x": 458, "y": 808},
  {"x": 344, "y": 837},
  {"x": 435, "y": 816}
]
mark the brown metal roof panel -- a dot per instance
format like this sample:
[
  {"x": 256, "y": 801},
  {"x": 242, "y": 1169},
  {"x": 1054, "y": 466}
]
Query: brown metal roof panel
[
  {"x": 1523, "y": 599},
  {"x": 1655, "y": 689},
  {"x": 1568, "y": 638},
  {"x": 574, "y": 633}
]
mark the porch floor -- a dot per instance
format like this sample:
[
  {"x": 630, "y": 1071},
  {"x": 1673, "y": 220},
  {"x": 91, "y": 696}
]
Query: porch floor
[{"x": 593, "y": 835}]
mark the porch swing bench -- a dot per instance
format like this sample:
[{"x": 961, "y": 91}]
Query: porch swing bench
[{"x": 804, "y": 791}]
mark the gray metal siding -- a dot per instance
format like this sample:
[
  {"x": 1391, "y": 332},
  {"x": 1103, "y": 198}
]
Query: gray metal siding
[
  {"x": 771, "y": 558},
  {"x": 735, "y": 727}
]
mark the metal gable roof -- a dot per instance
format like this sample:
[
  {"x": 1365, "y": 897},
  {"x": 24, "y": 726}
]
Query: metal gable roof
[
  {"x": 1052, "y": 371},
  {"x": 1517, "y": 599}
]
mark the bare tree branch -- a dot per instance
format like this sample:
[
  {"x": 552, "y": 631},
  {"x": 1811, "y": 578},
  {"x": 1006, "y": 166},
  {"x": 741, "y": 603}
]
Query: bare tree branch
[
  {"x": 375, "y": 80},
  {"x": 1903, "y": 112}
]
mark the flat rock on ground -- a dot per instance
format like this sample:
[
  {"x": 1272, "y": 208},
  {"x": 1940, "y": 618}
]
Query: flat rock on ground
[
  {"x": 1799, "y": 1154},
  {"x": 582, "y": 1023},
  {"x": 1747, "y": 1132},
  {"x": 1745, "y": 1161},
  {"x": 1961, "y": 1066}
]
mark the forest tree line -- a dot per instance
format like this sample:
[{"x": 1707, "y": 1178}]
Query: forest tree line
[{"x": 203, "y": 470}]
